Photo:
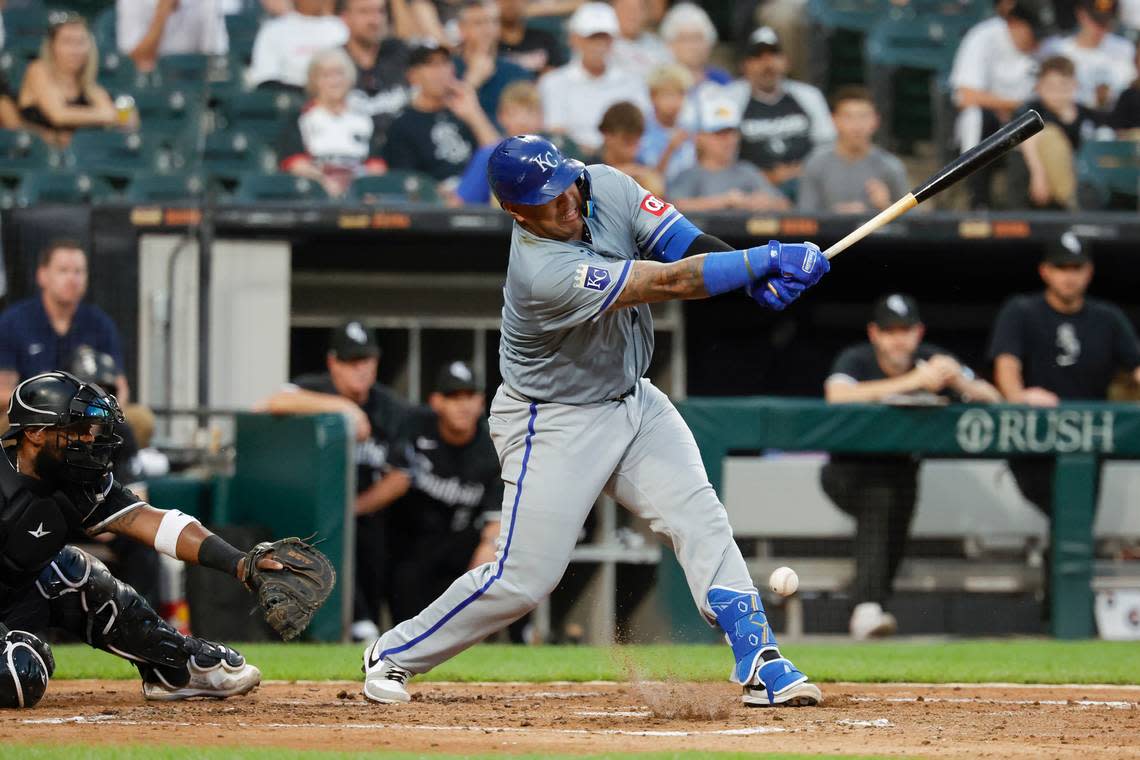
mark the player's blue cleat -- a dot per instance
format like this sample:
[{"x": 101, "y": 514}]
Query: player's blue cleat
[{"x": 767, "y": 681}]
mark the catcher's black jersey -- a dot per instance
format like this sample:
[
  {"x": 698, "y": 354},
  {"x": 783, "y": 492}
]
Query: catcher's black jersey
[{"x": 37, "y": 519}]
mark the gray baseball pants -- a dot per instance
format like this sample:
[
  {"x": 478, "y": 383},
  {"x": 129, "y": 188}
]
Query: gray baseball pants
[{"x": 556, "y": 460}]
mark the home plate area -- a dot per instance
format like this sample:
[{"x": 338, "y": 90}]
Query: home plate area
[{"x": 997, "y": 721}]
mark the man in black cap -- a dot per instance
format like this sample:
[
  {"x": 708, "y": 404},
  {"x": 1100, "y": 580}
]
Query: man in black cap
[
  {"x": 1059, "y": 345},
  {"x": 439, "y": 130},
  {"x": 894, "y": 366},
  {"x": 349, "y": 387},
  {"x": 783, "y": 119},
  {"x": 449, "y": 520}
]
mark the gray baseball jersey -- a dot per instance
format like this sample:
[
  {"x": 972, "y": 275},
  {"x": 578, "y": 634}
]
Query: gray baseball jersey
[{"x": 558, "y": 341}]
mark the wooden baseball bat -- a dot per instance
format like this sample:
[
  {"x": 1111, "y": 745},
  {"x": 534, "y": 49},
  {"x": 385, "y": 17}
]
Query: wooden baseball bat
[{"x": 997, "y": 144}]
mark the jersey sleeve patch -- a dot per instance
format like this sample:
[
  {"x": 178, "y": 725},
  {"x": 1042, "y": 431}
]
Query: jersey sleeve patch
[
  {"x": 592, "y": 278},
  {"x": 654, "y": 205}
]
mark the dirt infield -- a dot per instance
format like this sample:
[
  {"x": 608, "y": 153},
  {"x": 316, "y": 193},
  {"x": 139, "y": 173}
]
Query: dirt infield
[{"x": 883, "y": 719}]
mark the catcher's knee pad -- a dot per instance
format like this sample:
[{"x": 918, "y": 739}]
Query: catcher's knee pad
[
  {"x": 26, "y": 664},
  {"x": 114, "y": 617}
]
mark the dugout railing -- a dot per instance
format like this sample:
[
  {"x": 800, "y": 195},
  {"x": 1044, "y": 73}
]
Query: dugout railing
[{"x": 1078, "y": 436}]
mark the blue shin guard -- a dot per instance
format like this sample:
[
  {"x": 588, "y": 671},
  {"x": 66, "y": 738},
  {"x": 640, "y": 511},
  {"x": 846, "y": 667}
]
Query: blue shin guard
[{"x": 741, "y": 615}]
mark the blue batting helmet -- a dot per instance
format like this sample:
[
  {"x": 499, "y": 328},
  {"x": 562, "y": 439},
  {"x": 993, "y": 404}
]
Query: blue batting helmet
[{"x": 530, "y": 171}]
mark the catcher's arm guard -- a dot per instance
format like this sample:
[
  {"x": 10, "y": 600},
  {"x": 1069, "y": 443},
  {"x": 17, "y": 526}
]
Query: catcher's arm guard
[{"x": 289, "y": 597}]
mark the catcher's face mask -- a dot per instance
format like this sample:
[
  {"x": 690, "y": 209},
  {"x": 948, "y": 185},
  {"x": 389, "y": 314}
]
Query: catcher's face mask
[{"x": 84, "y": 448}]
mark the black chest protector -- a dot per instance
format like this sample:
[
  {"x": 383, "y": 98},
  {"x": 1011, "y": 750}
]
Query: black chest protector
[{"x": 33, "y": 528}]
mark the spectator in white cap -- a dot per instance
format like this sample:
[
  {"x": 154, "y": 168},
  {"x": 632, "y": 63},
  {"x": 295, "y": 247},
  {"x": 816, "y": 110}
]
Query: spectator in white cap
[
  {"x": 690, "y": 35},
  {"x": 721, "y": 181},
  {"x": 575, "y": 96},
  {"x": 637, "y": 49}
]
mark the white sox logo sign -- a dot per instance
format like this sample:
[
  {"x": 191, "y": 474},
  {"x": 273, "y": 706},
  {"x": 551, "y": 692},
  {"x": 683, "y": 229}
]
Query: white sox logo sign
[
  {"x": 654, "y": 205},
  {"x": 546, "y": 161}
]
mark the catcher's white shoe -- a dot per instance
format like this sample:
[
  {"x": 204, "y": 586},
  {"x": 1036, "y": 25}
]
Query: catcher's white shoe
[
  {"x": 215, "y": 671},
  {"x": 384, "y": 681}
]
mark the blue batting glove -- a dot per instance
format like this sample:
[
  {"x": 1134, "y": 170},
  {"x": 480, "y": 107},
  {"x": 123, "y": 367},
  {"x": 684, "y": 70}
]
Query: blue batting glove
[
  {"x": 801, "y": 262},
  {"x": 786, "y": 292}
]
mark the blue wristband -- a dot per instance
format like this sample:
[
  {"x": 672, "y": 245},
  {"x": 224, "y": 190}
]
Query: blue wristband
[{"x": 724, "y": 271}]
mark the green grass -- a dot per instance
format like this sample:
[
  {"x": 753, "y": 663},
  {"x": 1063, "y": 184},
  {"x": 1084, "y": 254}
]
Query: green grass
[
  {"x": 82, "y": 752},
  {"x": 1017, "y": 661}
]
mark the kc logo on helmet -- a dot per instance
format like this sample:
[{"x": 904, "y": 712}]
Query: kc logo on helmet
[
  {"x": 654, "y": 205},
  {"x": 546, "y": 161}
]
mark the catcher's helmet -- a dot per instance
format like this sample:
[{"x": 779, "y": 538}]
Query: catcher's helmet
[
  {"x": 530, "y": 170},
  {"x": 92, "y": 366},
  {"x": 60, "y": 400}
]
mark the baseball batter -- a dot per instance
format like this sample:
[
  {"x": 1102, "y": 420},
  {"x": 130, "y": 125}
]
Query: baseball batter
[{"x": 575, "y": 417}]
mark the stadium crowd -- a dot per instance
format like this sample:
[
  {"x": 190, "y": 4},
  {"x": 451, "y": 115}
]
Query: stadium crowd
[
  {"x": 370, "y": 99},
  {"x": 732, "y": 113}
]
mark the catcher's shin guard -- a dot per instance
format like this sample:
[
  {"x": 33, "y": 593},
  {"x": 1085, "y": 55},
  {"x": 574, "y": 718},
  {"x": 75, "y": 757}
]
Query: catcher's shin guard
[{"x": 110, "y": 615}]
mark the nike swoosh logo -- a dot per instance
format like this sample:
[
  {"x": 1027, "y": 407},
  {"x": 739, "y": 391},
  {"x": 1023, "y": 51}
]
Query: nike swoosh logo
[{"x": 373, "y": 662}]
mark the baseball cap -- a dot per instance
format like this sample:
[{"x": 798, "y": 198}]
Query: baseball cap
[
  {"x": 895, "y": 310},
  {"x": 1037, "y": 13},
  {"x": 593, "y": 18},
  {"x": 455, "y": 377},
  {"x": 1102, "y": 11},
  {"x": 353, "y": 340},
  {"x": 1067, "y": 251},
  {"x": 717, "y": 111},
  {"x": 424, "y": 52},
  {"x": 763, "y": 40}
]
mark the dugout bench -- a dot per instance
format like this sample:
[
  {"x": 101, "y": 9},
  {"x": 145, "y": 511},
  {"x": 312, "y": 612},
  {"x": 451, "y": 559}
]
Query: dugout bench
[{"x": 1077, "y": 435}]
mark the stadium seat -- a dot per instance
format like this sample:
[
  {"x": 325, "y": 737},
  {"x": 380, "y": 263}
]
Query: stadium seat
[
  {"x": 260, "y": 112},
  {"x": 228, "y": 154},
  {"x": 112, "y": 155},
  {"x": 117, "y": 73},
  {"x": 25, "y": 25},
  {"x": 837, "y": 31},
  {"x": 852, "y": 15},
  {"x": 170, "y": 117},
  {"x": 186, "y": 70},
  {"x": 396, "y": 186},
  {"x": 905, "y": 54},
  {"x": 61, "y": 187},
  {"x": 1108, "y": 174},
  {"x": 104, "y": 30},
  {"x": 165, "y": 188},
  {"x": 22, "y": 152},
  {"x": 242, "y": 31},
  {"x": 260, "y": 188}
]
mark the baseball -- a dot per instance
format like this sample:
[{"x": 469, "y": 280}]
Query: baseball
[{"x": 784, "y": 581}]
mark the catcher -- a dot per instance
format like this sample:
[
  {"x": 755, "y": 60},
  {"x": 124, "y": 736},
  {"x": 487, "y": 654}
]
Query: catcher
[{"x": 56, "y": 485}]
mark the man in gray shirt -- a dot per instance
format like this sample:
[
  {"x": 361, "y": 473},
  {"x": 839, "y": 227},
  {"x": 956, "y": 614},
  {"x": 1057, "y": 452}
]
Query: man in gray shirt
[
  {"x": 576, "y": 417},
  {"x": 853, "y": 175},
  {"x": 720, "y": 180}
]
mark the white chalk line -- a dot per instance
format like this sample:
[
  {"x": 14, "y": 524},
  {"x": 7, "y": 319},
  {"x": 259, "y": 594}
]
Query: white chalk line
[
  {"x": 876, "y": 723},
  {"x": 110, "y": 720},
  {"x": 987, "y": 701}
]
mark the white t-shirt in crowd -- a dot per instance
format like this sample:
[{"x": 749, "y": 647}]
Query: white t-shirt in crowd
[
  {"x": 196, "y": 26},
  {"x": 573, "y": 101},
  {"x": 640, "y": 56},
  {"x": 285, "y": 45},
  {"x": 988, "y": 60},
  {"x": 1111, "y": 63}
]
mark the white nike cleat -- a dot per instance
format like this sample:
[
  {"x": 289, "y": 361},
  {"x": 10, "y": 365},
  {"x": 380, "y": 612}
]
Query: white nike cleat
[
  {"x": 868, "y": 621},
  {"x": 384, "y": 682},
  {"x": 208, "y": 675}
]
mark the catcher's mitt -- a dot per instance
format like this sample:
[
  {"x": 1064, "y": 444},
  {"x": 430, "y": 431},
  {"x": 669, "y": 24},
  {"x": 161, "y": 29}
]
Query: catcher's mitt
[{"x": 291, "y": 596}]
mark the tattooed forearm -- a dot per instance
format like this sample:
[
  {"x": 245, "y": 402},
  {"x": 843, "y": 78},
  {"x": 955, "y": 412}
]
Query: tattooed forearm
[{"x": 651, "y": 282}]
